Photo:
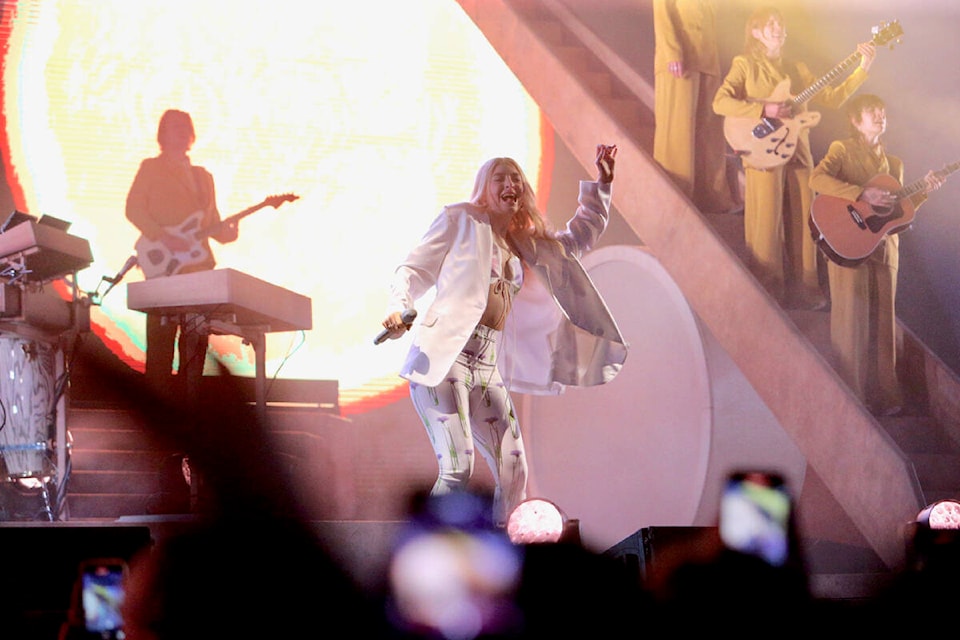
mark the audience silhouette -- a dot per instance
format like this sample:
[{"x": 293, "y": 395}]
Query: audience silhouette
[{"x": 251, "y": 564}]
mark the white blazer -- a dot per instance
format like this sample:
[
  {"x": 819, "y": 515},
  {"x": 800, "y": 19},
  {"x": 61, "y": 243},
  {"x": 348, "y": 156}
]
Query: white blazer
[{"x": 559, "y": 331}]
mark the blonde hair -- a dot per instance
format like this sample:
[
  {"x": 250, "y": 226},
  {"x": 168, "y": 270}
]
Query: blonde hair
[{"x": 528, "y": 221}]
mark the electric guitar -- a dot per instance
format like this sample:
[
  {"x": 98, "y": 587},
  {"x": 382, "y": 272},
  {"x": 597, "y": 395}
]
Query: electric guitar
[
  {"x": 848, "y": 231},
  {"x": 155, "y": 259},
  {"x": 766, "y": 143}
]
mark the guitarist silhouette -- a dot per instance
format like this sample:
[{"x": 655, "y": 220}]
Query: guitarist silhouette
[{"x": 167, "y": 192}]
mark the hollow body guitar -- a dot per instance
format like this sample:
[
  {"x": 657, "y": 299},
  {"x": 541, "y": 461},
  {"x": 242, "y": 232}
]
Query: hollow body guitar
[
  {"x": 848, "y": 231},
  {"x": 767, "y": 143},
  {"x": 156, "y": 259}
]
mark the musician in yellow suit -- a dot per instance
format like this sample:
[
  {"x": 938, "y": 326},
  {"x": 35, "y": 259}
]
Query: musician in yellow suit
[
  {"x": 781, "y": 251},
  {"x": 165, "y": 193},
  {"x": 863, "y": 322},
  {"x": 688, "y": 138}
]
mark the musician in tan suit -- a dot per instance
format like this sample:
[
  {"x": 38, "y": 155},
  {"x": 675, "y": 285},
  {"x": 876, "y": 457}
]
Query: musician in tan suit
[
  {"x": 863, "y": 321},
  {"x": 777, "y": 201},
  {"x": 688, "y": 139},
  {"x": 166, "y": 191}
]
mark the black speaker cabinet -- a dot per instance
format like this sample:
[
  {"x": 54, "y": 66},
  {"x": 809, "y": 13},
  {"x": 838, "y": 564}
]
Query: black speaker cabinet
[{"x": 654, "y": 551}]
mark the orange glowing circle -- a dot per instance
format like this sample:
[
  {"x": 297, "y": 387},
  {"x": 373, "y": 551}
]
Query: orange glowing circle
[{"x": 375, "y": 127}]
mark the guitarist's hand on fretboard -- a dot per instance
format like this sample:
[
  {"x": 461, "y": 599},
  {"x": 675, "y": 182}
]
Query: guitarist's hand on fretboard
[
  {"x": 227, "y": 231},
  {"x": 933, "y": 181},
  {"x": 867, "y": 51}
]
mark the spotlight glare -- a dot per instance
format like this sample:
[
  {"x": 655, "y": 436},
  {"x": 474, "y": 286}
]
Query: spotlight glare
[
  {"x": 942, "y": 514},
  {"x": 534, "y": 521},
  {"x": 31, "y": 482}
]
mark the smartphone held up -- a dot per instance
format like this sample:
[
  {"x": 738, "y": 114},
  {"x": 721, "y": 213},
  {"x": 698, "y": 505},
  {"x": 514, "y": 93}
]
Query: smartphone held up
[{"x": 756, "y": 512}]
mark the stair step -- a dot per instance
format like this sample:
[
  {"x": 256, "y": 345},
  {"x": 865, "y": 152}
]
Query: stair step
[
  {"x": 99, "y": 459},
  {"x": 919, "y": 434},
  {"x": 110, "y": 481},
  {"x": 815, "y": 326},
  {"x": 79, "y": 419},
  {"x": 294, "y": 444},
  {"x": 933, "y": 495},
  {"x": 114, "y": 439},
  {"x": 549, "y": 29},
  {"x": 600, "y": 82},
  {"x": 117, "y": 462},
  {"x": 84, "y": 506},
  {"x": 937, "y": 471}
]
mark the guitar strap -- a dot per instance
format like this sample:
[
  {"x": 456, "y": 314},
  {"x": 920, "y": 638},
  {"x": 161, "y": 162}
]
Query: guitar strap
[
  {"x": 777, "y": 72},
  {"x": 204, "y": 197},
  {"x": 796, "y": 82}
]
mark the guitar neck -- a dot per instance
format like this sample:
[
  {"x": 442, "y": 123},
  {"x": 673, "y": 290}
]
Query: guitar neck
[
  {"x": 882, "y": 34},
  {"x": 823, "y": 82},
  {"x": 232, "y": 219},
  {"x": 920, "y": 186}
]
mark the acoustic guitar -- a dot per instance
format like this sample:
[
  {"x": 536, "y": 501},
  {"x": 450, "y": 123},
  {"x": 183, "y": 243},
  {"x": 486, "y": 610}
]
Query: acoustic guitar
[{"x": 848, "y": 231}]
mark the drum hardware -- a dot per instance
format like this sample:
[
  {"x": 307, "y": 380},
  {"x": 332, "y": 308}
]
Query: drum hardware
[{"x": 34, "y": 319}]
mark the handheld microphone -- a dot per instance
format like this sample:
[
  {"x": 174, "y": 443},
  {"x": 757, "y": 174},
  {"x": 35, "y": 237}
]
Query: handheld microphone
[{"x": 407, "y": 317}]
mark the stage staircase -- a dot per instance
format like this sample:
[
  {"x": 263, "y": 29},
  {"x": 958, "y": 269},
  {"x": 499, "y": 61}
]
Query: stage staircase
[{"x": 877, "y": 475}]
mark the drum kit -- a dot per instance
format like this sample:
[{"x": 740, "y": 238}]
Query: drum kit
[
  {"x": 34, "y": 321},
  {"x": 28, "y": 399}
]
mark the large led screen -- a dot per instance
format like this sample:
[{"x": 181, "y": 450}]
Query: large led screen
[{"x": 375, "y": 113}]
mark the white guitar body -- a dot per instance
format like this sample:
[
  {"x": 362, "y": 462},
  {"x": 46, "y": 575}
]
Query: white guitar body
[{"x": 155, "y": 259}]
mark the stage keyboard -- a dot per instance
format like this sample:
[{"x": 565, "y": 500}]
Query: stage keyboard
[
  {"x": 225, "y": 294},
  {"x": 36, "y": 251}
]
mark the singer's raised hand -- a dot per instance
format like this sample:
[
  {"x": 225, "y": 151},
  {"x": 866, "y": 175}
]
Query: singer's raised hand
[{"x": 606, "y": 159}]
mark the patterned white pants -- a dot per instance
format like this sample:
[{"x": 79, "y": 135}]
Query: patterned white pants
[{"x": 472, "y": 405}]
